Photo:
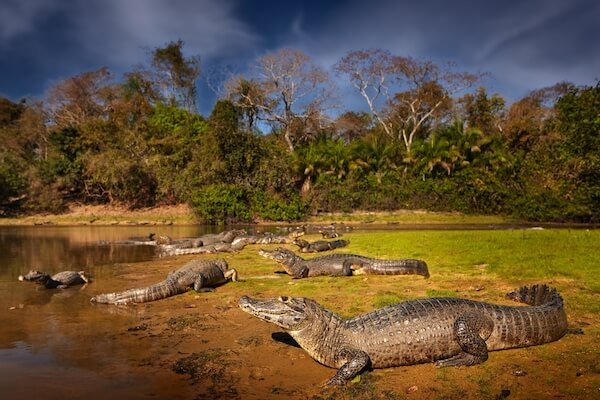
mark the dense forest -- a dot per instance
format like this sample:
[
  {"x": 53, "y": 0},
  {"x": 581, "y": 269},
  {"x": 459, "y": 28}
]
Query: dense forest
[{"x": 278, "y": 146}]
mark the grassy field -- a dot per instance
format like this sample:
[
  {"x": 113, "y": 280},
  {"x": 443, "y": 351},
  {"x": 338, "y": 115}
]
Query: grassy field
[{"x": 479, "y": 265}]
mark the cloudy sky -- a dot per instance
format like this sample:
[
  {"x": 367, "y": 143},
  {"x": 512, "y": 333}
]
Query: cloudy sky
[{"x": 523, "y": 45}]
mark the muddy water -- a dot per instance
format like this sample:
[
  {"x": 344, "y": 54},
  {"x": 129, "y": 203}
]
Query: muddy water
[{"x": 52, "y": 341}]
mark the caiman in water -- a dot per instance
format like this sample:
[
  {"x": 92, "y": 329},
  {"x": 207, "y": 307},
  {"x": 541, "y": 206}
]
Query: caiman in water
[
  {"x": 196, "y": 274},
  {"x": 60, "y": 280},
  {"x": 343, "y": 265},
  {"x": 449, "y": 331}
]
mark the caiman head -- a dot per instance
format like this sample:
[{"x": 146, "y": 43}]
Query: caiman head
[
  {"x": 289, "y": 313},
  {"x": 280, "y": 254},
  {"x": 301, "y": 243},
  {"x": 35, "y": 276}
]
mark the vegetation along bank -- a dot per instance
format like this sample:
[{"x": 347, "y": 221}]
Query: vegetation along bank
[{"x": 273, "y": 148}]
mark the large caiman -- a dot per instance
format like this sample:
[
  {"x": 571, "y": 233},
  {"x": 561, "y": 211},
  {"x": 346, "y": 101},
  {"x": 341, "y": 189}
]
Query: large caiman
[
  {"x": 448, "y": 331},
  {"x": 341, "y": 264},
  {"x": 197, "y": 274}
]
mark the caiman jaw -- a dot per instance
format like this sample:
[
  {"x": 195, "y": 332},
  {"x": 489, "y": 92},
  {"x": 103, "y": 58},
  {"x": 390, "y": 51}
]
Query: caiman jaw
[{"x": 286, "y": 312}]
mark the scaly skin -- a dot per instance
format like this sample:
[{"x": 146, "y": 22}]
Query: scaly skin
[
  {"x": 60, "y": 280},
  {"x": 344, "y": 265},
  {"x": 451, "y": 331},
  {"x": 196, "y": 274},
  {"x": 319, "y": 245}
]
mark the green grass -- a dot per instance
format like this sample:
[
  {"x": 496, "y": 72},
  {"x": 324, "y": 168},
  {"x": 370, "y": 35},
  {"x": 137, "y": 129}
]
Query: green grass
[
  {"x": 482, "y": 264},
  {"x": 479, "y": 265}
]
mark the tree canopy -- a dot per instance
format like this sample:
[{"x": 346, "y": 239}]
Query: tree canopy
[{"x": 274, "y": 148}]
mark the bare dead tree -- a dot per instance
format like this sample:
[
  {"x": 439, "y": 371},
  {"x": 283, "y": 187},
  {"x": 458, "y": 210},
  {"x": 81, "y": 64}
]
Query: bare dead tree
[
  {"x": 402, "y": 93},
  {"x": 286, "y": 87},
  {"x": 78, "y": 99}
]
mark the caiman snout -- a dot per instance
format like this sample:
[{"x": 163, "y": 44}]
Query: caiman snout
[{"x": 243, "y": 300}]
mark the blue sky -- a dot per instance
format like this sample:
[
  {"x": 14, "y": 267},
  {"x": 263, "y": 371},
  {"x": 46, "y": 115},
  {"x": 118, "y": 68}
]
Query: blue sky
[{"x": 523, "y": 45}]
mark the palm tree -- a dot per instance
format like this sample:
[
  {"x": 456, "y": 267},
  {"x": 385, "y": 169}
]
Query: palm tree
[
  {"x": 325, "y": 156},
  {"x": 373, "y": 155}
]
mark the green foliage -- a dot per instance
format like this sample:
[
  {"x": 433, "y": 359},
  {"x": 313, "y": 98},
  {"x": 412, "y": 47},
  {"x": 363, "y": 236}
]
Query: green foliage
[
  {"x": 273, "y": 208},
  {"x": 140, "y": 142},
  {"x": 12, "y": 177},
  {"x": 579, "y": 120},
  {"x": 114, "y": 178},
  {"x": 177, "y": 75},
  {"x": 220, "y": 204},
  {"x": 238, "y": 151}
]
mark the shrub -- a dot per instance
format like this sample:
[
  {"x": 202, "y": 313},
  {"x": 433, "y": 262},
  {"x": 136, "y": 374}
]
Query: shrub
[
  {"x": 273, "y": 208},
  {"x": 221, "y": 204}
]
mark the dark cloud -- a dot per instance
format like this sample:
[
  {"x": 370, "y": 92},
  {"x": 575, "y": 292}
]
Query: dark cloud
[{"x": 525, "y": 45}]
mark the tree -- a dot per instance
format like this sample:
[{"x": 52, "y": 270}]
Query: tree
[
  {"x": 352, "y": 125},
  {"x": 578, "y": 120},
  {"x": 403, "y": 94},
  {"x": 287, "y": 88},
  {"x": 177, "y": 75},
  {"x": 526, "y": 121},
  {"x": 238, "y": 150},
  {"x": 79, "y": 99},
  {"x": 322, "y": 157},
  {"x": 483, "y": 112}
]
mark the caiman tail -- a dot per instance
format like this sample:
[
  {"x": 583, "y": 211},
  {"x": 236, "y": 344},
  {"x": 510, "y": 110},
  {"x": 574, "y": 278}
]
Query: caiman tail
[
  {"x": 154, "y": 292},
  {"x": 537, "y": 295},
  {"x": 544, "y": 319}
]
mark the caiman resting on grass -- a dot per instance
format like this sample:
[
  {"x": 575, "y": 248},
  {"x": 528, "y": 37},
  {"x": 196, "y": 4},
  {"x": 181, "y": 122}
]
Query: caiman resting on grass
[
  {"x": 60, "y": 280},
  {"x": 449, "y": 331},
  {"x": 197, "y": 274},
  {"x": 343, "y": 265},
  {"x": 319, "y": 245}
]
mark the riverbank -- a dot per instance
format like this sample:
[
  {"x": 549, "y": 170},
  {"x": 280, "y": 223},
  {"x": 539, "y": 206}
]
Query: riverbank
[
  {"x": 202, "y": 345},
  {"x": 101, "y": 215}
]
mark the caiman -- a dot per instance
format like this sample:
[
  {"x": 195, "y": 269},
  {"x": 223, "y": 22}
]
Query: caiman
[
  {"x": 60, "y": 280},
  {"x": 449, "y": 331},
  {"x": 343, "y": 265},
  {"x": 197, "y": 274},
  {"x": 319, "y": 245}
]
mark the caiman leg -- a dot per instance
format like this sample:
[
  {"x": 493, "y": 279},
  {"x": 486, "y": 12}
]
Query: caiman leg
[
  {"x": 200, "y": 285},
  {"x": 347, "y": 267},
  {"x": 356, "y": 361},
  {"x": 471, "y": 330},
  {"x": 303, "y": 273},
  {"x": 231, "y": 274}
]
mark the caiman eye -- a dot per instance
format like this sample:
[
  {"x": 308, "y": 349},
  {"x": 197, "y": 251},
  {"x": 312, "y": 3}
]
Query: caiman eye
[{"x": 284, "y": 298}]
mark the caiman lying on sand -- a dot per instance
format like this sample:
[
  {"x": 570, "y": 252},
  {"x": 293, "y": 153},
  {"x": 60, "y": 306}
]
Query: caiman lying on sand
[
  {"x": 60, "y": 280},
  {"x": 451, "y": 331},
  {"x": 196, "y": 274},
  {"x": 343, "y": 265}
]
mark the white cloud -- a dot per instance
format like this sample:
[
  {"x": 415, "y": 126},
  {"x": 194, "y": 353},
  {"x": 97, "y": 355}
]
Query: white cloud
[
  {"x": 120, "y": 32},
  {"x": 524, "y": 45}
]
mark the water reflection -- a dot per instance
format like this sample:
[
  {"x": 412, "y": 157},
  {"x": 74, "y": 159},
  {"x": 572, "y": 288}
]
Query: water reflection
[
  {"x": 53, "y": 249},
  {"x": 49, "y": 338}
]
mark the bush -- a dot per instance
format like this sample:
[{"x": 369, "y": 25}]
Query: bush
[
  {"x": 221, "y": 204},
  {"x": 272, "y": 208}
]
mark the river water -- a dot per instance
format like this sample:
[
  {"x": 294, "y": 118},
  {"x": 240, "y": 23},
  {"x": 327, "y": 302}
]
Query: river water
[{"x": 52, "y": 343}]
